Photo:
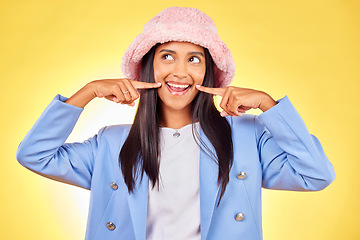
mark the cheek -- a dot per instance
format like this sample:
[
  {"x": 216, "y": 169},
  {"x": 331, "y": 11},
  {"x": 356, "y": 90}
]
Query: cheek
[
  {"x": 159, "y": 74},
  {"x": 199, "y": 76},
  {"x": 156, "y": 76},
  {"x": 156, "y": 71}
]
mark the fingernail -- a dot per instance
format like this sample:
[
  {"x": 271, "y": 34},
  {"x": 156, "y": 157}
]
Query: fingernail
[{"x": 197, "y": 86}]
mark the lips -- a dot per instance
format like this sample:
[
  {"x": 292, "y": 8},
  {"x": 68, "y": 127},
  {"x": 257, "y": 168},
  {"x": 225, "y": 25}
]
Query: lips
[{"x": 178, "y": 88}]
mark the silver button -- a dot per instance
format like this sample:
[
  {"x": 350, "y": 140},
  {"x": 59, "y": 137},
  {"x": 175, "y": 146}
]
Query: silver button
[
  {"x": 176, "y": 134},
  {"x": 114, "y": 186},
  {"x": 111, "y": 226},
  {"x": 239, "y": 217},
  {"x": 241, "y": 175}
]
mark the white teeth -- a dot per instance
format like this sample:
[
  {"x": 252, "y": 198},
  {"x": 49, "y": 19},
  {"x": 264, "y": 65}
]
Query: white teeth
[{"x": 178, "y": 85}]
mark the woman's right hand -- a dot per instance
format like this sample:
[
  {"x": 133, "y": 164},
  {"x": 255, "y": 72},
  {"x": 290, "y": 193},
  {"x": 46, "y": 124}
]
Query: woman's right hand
[{"x": 122, "y": 91}]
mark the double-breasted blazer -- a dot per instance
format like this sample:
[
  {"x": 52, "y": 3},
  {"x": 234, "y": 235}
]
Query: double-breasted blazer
[{"x": 273, "y": 150}]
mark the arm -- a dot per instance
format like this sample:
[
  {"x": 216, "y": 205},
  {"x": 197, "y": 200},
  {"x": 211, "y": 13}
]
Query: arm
[
  {"x": 43, "y": 149},
  {"x": 44, "y": 152},
  {"x": 291, "y": 158}
]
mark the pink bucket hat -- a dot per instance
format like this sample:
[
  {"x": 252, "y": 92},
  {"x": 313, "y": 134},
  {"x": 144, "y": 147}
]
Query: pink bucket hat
[{"x": 181, "y": 25}]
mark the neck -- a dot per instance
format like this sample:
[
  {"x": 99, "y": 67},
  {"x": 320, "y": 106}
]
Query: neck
[{"x": 175, "y": 118}]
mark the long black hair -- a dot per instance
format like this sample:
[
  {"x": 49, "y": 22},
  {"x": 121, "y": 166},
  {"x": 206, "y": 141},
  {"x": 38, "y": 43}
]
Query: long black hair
[{"x": 140, "y": 152}]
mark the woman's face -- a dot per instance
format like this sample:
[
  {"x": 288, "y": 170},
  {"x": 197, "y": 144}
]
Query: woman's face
[{"x": 179, "y": 66}]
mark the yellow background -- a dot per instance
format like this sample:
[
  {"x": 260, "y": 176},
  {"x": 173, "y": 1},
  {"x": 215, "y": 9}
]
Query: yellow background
[{"x": 308, "y": 50}]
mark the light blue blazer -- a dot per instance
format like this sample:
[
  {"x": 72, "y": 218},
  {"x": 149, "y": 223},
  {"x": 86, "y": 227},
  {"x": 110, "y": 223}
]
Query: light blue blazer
[{"x": 274, "y": 150}]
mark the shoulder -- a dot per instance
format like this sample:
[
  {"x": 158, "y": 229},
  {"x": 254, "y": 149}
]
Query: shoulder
[
  {"x": 241, "y": 120},
  {"x": 244, "y": 122},
  {"x": 121, "y": 128},
  {"x": 247, "y": 125},
  {"x": 114, "y": 132}
]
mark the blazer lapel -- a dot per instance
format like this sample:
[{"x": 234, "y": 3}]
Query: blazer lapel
[
  {"x": 138, "y": 203},
  {"x": 208, "y": 185}
]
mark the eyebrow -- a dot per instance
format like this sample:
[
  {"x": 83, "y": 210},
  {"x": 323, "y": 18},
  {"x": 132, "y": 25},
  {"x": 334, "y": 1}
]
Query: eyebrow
[{"x": 190, "y": 53}]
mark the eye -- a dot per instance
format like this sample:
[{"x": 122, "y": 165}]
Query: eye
[
  {"x": 167, "y": 57},
  {"x": 194, "y": 60}
]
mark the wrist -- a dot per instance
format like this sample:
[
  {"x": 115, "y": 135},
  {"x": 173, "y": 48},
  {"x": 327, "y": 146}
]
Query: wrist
[
  {"x": 267, "y": 102},
  {"x": 89, "y": 90},
  {"x": 82, "y": 97}
]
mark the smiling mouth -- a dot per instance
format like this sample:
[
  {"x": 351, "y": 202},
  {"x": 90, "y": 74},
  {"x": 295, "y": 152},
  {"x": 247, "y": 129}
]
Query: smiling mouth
[{"x": 178, "y": 89}]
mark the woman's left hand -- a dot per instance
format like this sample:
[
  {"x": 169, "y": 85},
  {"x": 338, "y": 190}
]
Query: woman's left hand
[{"x": 236, "y": 101}]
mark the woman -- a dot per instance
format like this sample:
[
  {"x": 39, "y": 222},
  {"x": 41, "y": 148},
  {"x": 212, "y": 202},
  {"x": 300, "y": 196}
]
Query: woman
[{"x": 182, "y": 170}]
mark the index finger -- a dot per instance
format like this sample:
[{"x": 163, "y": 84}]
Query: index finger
[
  {"x": 214, "y": 91},
  {"x": 145, "y": 85}
]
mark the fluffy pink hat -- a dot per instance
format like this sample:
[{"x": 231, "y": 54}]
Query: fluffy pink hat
[{"x": 181, "y": 25}]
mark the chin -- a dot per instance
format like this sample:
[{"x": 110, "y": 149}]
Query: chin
[
  {"x": 178, "y": 106},
  {"x": 176, "y": 102}
]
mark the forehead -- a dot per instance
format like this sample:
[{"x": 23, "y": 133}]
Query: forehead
[{"x": 180, "y": 47}]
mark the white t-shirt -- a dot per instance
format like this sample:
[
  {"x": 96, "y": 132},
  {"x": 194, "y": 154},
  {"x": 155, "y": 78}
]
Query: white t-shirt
[{"x": 174, "y": 204}]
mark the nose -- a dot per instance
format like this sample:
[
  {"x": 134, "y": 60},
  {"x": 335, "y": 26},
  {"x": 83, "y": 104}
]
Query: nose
[{"x": 180, "y": 70}]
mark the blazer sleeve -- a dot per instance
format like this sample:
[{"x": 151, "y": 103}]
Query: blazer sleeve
[
  {"x": 291, "y": 158},
  {"x": 44, "y": 151}
]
